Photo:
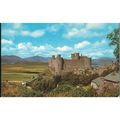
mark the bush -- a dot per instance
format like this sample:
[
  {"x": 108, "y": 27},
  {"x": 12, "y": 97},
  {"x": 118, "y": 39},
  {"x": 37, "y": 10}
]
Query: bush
[
  {"x": 66, "y": 90},
  {"x": 45, "y": 83},
  {"x": 70, "y": 78},
  {"x": 82, "y": 92},
  {"x": 73, "y": 79},
  {"x": 62, "y": 88},
  {"x": 62, "y": 84},
  {"x": 57, "y": 79}
]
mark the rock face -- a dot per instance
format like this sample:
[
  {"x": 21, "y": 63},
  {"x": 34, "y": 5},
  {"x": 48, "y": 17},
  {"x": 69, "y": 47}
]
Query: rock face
[
  {"x": 108, "y": 84},
  {"x": 59, "y": 65}
]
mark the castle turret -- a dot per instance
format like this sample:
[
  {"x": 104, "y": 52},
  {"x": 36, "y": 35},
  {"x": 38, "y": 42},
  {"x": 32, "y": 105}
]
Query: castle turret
[
  {"x": 72, "y": 56},
  {"x": 59, "y": 64},
  {"x": 58, "y": 56},
  {"x": 56, "y": 63},
  {"x": 53, "y": 56},
  {"x": 51, "y": 62},
  {"x": 77, "y": 56},
  {"x": 86, "y": 61}
]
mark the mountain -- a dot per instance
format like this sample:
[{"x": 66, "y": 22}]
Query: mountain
[
  {"x": 102, "y": 61},
  {"x": 37, "y": 59},
  {"x": 10, "y": 59}
]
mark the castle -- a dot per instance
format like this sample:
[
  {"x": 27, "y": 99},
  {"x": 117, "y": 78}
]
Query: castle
[{"x": 59, "y": 65}]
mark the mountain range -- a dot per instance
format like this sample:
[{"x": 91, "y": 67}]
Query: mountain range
[
  {"x": 12, "y": 59},
  {"x": 102, "y": 61}
]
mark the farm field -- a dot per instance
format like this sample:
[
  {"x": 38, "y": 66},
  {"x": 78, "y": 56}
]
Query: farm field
[{"x": 22, "y": 71}]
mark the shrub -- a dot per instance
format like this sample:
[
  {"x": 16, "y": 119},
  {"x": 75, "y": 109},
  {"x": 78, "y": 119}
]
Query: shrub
[
  {"x": 62, "y": 88},
  {"x": 70, "y": 78},
  {"x": 82, "y": 92}
]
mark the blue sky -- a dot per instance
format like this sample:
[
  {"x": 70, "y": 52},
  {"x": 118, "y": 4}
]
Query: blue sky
[{"x": 46, "y": 39}]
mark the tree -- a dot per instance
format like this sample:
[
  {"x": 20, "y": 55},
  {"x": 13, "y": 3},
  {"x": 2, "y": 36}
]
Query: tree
[{"x": 114, "y": 36}]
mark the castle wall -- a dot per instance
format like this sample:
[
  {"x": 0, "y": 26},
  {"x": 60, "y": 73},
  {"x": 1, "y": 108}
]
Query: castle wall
[
  {"x": 56, "y": 64},
  {"x": 86, "y": 61},
  {"x": 59, "y": 65},
  {"x": 70, "y": 65}
]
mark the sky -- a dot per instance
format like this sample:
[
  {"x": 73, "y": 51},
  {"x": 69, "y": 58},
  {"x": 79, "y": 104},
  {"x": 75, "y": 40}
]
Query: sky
[{"x": 47, "y": 39}]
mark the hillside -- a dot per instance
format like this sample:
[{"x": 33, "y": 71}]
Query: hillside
[
  {"x": 103, "y": 61},
  {"x": 36, "y": 59},
  {"x": 11, "y": 59}
]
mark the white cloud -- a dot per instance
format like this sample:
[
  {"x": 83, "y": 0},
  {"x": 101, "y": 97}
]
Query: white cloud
[
  {"x": 81, "y": 44},
  {"x": 17, "y": 25},
  {"x": 53, "y": 28},
  {"x": 25, "y": 33},
  {"x": 29, "y": 47},
  {"x": 25, "y": 46},
  {"x": 64, "y": 48},
  {"x": 94, "y": 25},
  {"x": 97, "y": 53},
  {"x": 8, "y": 32},
  {"x": 38, "y": 48},
  {"x": 73, "y": 32},
  {"x": 83, "y": 30},
  {"x": 12, "y": 48},
  {"x": 94, "y": 54},
  {"x": 99, "y": 43},
  {"x": 35, "y": 34},
  {"x": 7, "y": 42},
  {"x": 22, "y": 46},
  {"x": 4, "y": 49}
]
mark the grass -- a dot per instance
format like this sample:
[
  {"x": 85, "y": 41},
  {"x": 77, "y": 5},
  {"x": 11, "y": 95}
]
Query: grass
[
  {"x": 16, "y": 76},
  {"x": 22, "y": 71}
]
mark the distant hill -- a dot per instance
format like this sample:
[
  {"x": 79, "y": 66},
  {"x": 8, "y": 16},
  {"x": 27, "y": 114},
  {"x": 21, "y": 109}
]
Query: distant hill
[
  {"x": 12, "y": 59},
  {"x": 103, "y": 61},
  {"x": 37, "y": 59}
]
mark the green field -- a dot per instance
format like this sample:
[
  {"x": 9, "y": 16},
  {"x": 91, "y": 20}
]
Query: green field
[{"x": 22, "y": 71}]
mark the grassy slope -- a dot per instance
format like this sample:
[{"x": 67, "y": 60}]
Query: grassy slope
[{"x": 22, "y": 71}]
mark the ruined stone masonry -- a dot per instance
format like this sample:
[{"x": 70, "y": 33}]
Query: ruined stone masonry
[{"x": 59, "y": 65}]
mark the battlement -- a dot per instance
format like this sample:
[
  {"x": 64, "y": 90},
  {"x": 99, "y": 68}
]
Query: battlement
[
  {"x": 75, "y": 56},
  {"x": 56, "y": 57},
  {"x": 59, "y": 65}
]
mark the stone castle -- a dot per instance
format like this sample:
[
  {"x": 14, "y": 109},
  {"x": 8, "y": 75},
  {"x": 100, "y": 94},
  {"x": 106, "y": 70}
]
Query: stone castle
[{"x": 59, "y": 65}]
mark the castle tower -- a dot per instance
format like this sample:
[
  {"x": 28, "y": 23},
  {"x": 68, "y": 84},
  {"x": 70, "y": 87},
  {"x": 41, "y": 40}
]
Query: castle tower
[
  {"x": 51, "y": 62},
  {"x": 87, "y": 62},
  {"x": 77, "y": 55},
  {"x": 53, "y": 56},
  {"x": 72, "y": 56},
  {"x": 59, "y": 64}
]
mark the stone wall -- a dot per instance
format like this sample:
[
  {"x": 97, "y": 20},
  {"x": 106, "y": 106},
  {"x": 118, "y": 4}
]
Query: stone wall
[{"x": 58, "y": 65}]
